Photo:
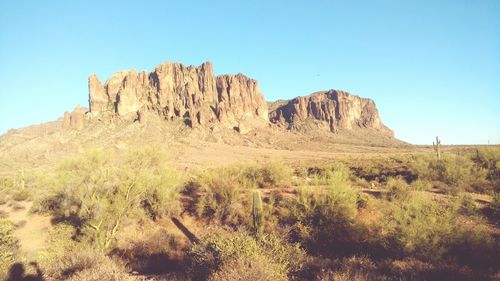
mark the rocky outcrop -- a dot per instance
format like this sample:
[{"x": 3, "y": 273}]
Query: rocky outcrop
[
  {"x": 174, "y": 91},
  {"x": 337, "y": 109},
  {"x": 75, "y": 119},
  {"x": 198, "y": 97}
]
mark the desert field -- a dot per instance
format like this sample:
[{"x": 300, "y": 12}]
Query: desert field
[{"x": 208, "y": 210}]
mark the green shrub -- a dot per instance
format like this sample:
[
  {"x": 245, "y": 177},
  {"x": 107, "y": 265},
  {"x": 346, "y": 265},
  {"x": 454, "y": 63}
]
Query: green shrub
[
  {"x": 268, "y": 175},
  {"x": 21, "y": 195},
  {"x": 489, "y": 159},
  {"x": 331, "y": 175},
  {"x": 98, "y": 196},
  {"x": 8, "y": 247},
  {"x": 59, "y": 242},
  {"x": 421, "y": 185},
  {"x": 219, "y": 248},
  {"x": 248, "y": 268},
  {"x": 221, "y": 196},
  {"x": 457, "y": 172},
  {"x": 323, "y": 217},
  {"x": 464, "y": 204},
  {"x": 86, "y": 265},
  {"x": 7, "y": 183},
  {"x": 397, "y": 189},
  {"x": 428, "y": 230}
]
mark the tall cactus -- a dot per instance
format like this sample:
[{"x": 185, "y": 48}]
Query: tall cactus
[
  {"x": 22, "y": 179},
  {"x": 437, "y": 147},
  {"x": 257, "y": 214}
]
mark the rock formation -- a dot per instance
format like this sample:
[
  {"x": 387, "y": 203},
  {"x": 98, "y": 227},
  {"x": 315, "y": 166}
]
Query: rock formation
[
  {"x": 337, "y": 109},
  {"x": 174, "y": 91},
  {"x": 198, "y": 97},
  {"x": 75, "y": 119}
]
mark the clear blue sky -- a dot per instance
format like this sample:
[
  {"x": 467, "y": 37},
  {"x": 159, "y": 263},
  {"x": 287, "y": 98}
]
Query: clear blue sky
[{"x": 432, "y": 67}]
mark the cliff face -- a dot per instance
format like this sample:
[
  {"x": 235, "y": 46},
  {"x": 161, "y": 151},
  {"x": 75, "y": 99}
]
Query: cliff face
[
  {"x": 175, "y": 91},
  {"x": 338, "y": 109},
  {"x": 199, "y": 98}
]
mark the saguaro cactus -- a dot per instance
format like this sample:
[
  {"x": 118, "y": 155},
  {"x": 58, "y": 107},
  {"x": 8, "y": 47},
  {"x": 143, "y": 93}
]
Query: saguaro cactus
[
  {"x": 437, "y": 147},
  {"x": 257, "y": 214},
  {"x": 22, "y": 184}
]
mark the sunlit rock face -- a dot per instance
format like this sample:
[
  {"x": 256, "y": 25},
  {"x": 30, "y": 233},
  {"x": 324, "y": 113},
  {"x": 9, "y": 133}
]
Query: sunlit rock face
[
  {"x": 337, "y": 109},
  {"x": 175, "y": 91},
  {"x": 198, "y": 97}
]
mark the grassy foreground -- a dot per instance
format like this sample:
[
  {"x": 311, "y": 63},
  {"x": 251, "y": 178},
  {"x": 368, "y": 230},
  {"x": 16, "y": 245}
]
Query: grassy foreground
[{"x": 133, "y": 217}]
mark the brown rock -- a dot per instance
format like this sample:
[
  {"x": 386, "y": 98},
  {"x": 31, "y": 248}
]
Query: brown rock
[
  {"x": 98, "y": 99},
  {"x": 339, "y": 110},
  {"x": 240, "y": 97},
  {"x": 75, "y": 119},
  {"x": 175, "y": 91}
]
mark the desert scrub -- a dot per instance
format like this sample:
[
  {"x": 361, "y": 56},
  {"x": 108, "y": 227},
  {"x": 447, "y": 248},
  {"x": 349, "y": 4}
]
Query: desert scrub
[
  {"x": 419, "y": 227},
  {"x": 489, "y": 159},
  {"x": 21, "y": 195},
  {"x": 456, "y": 171},
  {"x": 221, "y": 195},
  {"x": 323, "y": 218},
  {"x": 219, "y": 248},
  {"x": 271, "y": 174},
  {"x": 86, "y": 264},
  {"x": 8, "y": 247},
  {"x": 59, "y": 242},
  {"x": 99, "y": 196},
  {"x": 397, "y": 189},
  {"x": 421, "y": 185},
  {"x": 248, "y": 268},
  {"x": 148, "y": 246},
  {"x": 330, "y": 175}
]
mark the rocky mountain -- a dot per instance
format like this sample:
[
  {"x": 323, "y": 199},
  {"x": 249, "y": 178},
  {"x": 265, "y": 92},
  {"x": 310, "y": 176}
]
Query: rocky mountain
[
  {"x": 174, "y": 91},
  {"x": 197, "y": 97},
  {"x": 336, "y": 110},
  {"x": 202, "y": 118}
]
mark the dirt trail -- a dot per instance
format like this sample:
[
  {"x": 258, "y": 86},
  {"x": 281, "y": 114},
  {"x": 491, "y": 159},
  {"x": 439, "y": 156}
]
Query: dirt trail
[{"x": 31, "y": 230}]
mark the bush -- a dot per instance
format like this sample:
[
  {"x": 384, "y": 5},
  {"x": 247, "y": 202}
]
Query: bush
[
  {"x": 21, "y": 195},
  {"x": 323, "y": 218},
  {"x": 489, "y": 159},
  {"x": 248, "y": 269},
  {"x": 87, "y": 265},
  {"x": 421, "y": 185},
  {"x": 274, "y": 174},
  {"x": 151, "y": 247},
  {"x": 220, "y": 248},
  {"x": 220, "y": 196},
  {"x": 99, "y": 196},
  {"x": 59, "y": 242},
  {"x": 8, "y": 247},
  {"x": 464, "y": 204},
  {"x": 352, "y": 269},
  {"x": 397, "y": 189},
  {"x": 457, "y": 172},
  {"x": 428, "y": 230},
  {"x": 331, "y": 175}
]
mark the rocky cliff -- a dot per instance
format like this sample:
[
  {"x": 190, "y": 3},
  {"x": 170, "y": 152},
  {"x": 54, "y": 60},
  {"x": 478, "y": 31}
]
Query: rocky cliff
[
  {"x": 174, "y": 91},
  {"x": 337, "y": 110},
  {"x": 199, "y": 98}
]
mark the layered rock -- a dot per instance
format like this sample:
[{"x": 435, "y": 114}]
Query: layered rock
[
  {"x": 337, "y": 109},
  {"x": 75, "y": 119},
  {"x": 198, "y": 97},
  {"x": 175, "y": 91}
]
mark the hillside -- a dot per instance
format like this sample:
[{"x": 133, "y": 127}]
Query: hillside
[{"x": 200, "y": 115}]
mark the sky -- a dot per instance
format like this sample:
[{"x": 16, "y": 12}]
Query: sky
[{"x": 432, "y": 67}]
